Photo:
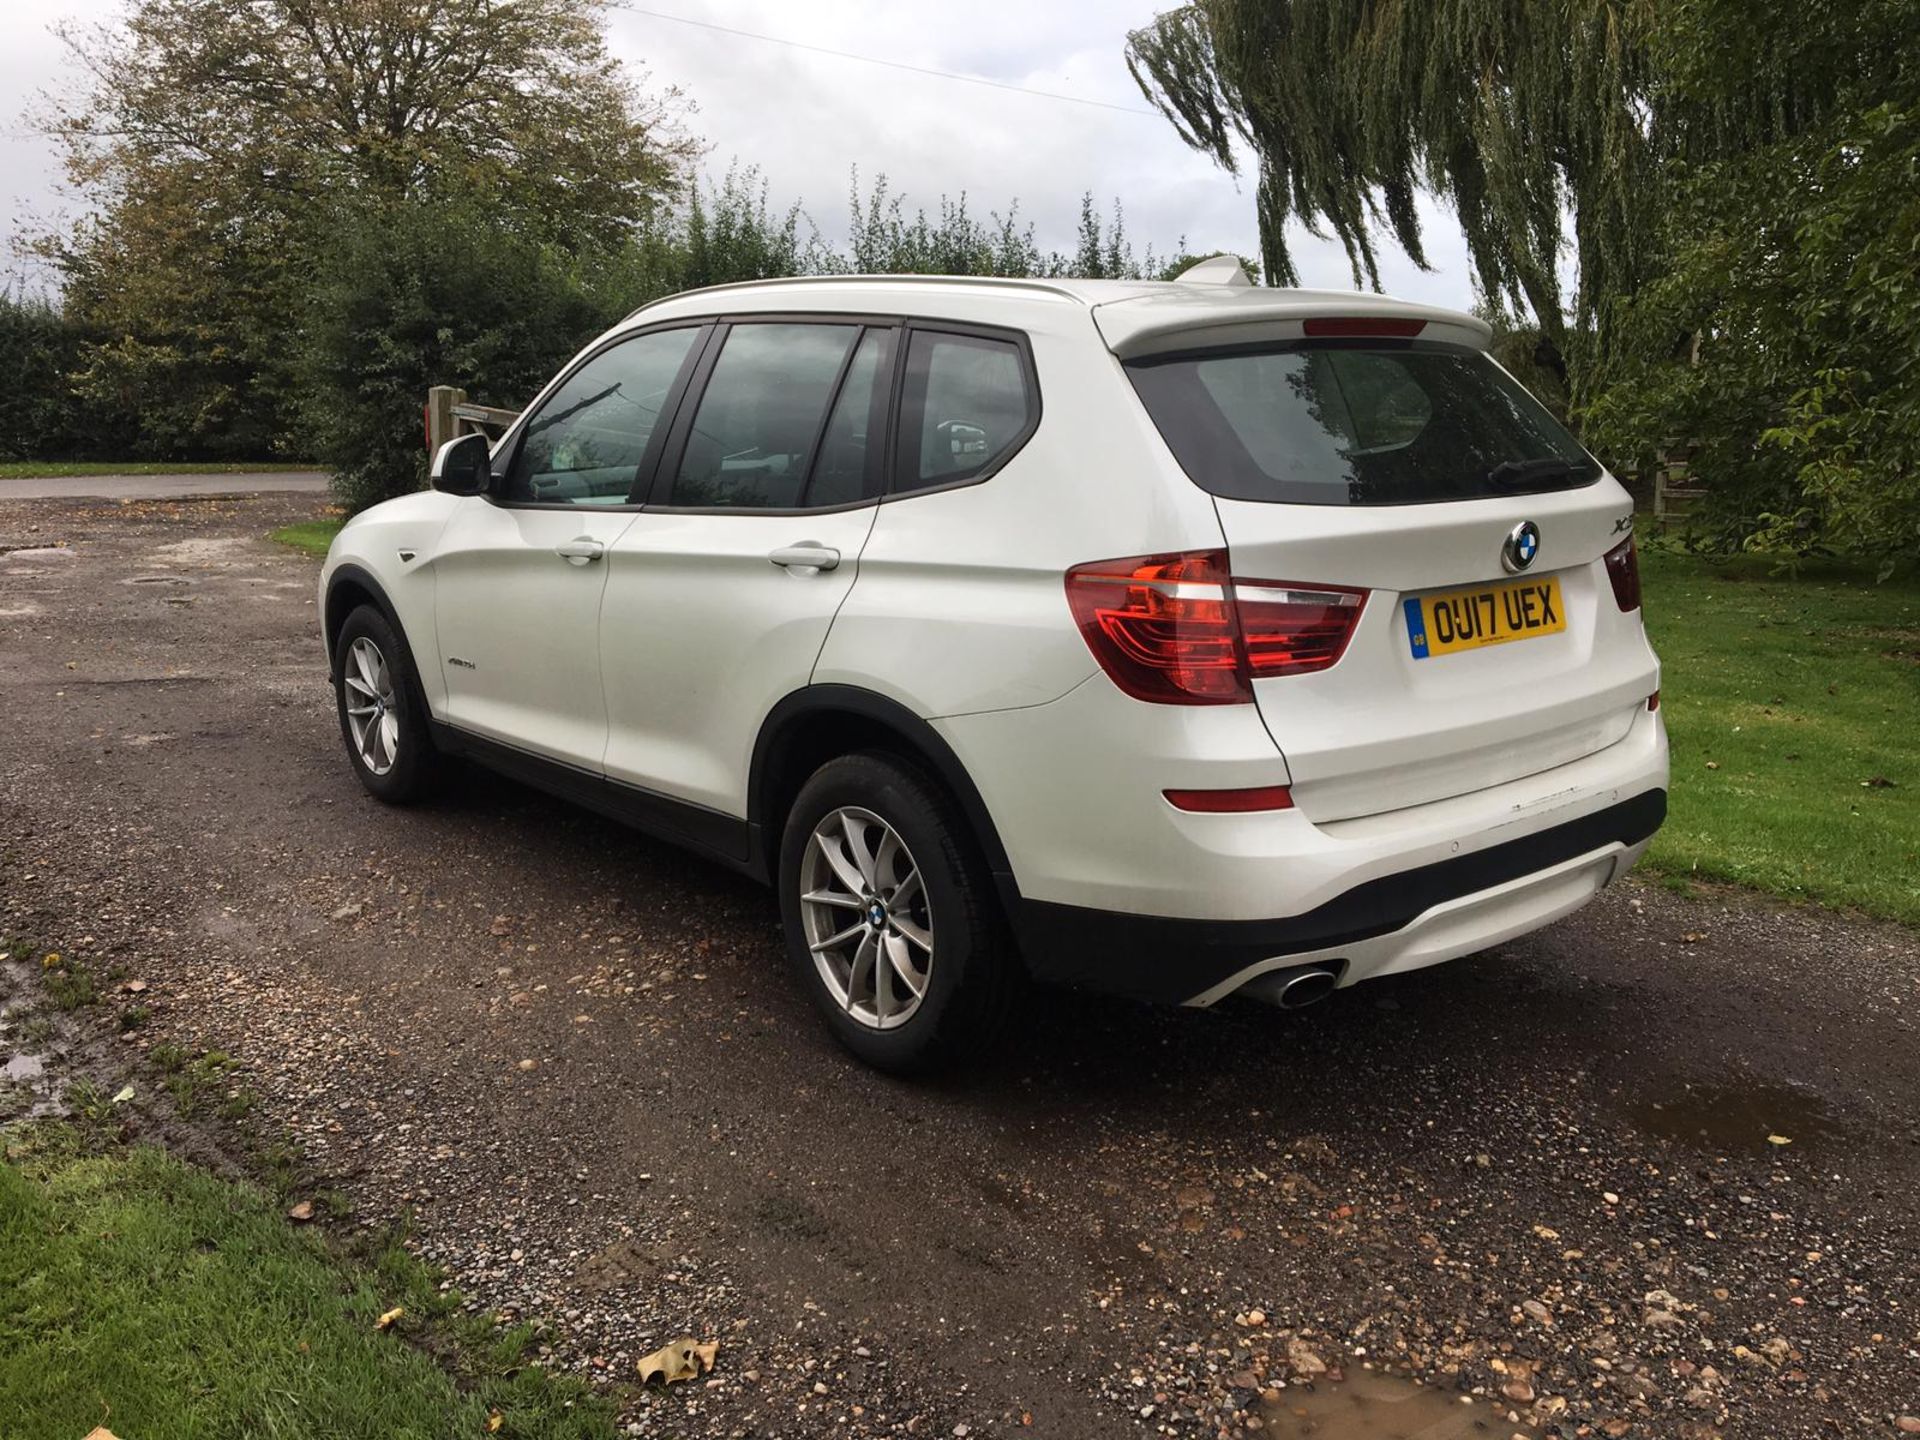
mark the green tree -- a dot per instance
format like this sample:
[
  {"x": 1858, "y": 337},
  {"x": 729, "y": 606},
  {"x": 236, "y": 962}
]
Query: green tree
[{"x": 223, "y": 146}]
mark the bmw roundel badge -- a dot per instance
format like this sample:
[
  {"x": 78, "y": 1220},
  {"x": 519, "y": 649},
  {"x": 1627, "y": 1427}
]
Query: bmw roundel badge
[{"x": 1523, "y": 543}]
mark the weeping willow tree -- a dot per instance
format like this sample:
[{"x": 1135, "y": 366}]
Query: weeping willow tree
[
  {"x": 1733, "y": 181},
  {"x": 1525, "y": 116}
]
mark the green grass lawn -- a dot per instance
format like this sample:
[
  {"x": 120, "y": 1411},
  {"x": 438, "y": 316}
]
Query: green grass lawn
[
  {"x": 152, "y": 1297},
  {"x": 311, "y": 537},
  {"x": 44, "y": 469},
  {"x": 1794, "y": 711}
]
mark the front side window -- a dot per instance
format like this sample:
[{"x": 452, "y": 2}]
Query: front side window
[
  {"x": 585, "y": 445},
  {"x": 761, "y": 416},
  {"x": 964, "y": 405},
  {"x": 1357, "y": 424}
]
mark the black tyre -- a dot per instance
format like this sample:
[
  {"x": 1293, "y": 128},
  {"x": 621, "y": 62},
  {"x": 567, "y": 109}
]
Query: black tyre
[
  {"x": 891, "y": 919},
  {"x": 383, "y": 717}
]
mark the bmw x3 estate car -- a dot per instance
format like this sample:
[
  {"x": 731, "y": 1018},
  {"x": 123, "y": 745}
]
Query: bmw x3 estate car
[{"x": 1181, "y": 639}]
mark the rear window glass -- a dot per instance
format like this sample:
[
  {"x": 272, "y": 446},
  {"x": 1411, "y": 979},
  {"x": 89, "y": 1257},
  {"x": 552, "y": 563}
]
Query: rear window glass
[{"x": 1357, "y": 424}]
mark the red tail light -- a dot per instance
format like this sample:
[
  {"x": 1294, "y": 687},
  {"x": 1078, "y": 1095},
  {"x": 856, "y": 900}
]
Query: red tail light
[
  {"x": 1623, "y": 569},
  {"x": 1176, "y": 630},
  {"x": 1290, "y": 630}
]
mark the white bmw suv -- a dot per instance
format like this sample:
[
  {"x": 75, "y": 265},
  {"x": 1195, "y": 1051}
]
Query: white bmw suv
[{"x": 1180, "y": 639}]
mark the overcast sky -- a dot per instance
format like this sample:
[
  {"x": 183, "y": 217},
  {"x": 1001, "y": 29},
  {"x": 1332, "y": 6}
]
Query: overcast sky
[{"x": 808, "y": 118}]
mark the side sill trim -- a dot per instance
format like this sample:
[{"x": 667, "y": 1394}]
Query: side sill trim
[{"x": 724, "y": 838}]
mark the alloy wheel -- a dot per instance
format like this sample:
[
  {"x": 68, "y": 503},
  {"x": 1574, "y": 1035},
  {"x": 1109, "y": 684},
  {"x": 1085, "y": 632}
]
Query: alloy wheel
[
  {"x": 864, "y": 909},
  {"x": 370, "y": 704}
]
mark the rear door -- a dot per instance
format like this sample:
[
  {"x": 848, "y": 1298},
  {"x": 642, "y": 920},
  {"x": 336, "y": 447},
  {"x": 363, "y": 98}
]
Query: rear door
[
  {"x": 519, "y": 574},
  {"x": 720, "y": 597},
  {"x": 1460, "y": 534}
]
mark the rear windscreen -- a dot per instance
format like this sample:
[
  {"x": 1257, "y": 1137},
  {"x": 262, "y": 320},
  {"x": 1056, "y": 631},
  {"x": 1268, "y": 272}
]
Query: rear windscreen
[{"x": 1356, "y": 423}]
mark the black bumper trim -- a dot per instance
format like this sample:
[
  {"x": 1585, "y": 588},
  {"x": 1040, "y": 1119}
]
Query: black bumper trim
[{"x": 1165, "y": 958}]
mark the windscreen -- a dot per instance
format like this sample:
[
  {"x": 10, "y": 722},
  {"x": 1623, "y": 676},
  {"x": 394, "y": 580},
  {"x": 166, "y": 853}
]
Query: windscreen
[{"x": 1356, "y": 423}]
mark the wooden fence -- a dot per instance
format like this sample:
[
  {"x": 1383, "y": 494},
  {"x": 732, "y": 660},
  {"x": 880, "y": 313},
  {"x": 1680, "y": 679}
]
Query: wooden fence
[{"x": 450, "y": 415}]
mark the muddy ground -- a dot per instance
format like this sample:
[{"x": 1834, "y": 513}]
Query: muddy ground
[{"x": 1652, "y": 1172}]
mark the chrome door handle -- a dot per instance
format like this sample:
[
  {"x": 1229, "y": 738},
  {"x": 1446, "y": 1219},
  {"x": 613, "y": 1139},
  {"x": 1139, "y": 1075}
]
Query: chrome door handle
[
  {"x": 807, "y": 555},
  {"x": 581, "y": 551}
]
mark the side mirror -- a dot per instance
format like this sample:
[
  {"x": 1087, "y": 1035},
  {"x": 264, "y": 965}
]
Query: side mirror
[{"x": 463, "y": 466}]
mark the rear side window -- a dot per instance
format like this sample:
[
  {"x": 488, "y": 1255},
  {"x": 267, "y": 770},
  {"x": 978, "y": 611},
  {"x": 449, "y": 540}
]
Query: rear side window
[
  {"x": 763, "y": 411},
  {"x": 965, "y": 404},
  {"x": 1357, "y": 424}
]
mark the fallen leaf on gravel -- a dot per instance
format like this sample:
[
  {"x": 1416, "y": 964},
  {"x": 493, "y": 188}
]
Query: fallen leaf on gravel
[
  {"x": 347, "y": 912},
  {"x": 302, "y": 1212},
  {"x": 528, "y": 1064},
  {"x": 385, "y": 1322},
  {"x": 681, "y": 1359},
  {"x": 1779, "y": 1140},
  {"x": 1693, "y": 937},
  {"x": 123, "y": 1094},
  {"x": 134, "y": 987},
  {"x": 50, "y": 962}
]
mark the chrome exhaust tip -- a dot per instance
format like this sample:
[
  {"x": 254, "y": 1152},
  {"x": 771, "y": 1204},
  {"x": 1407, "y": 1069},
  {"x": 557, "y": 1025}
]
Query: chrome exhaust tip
[{"x": 1295, "y": 989}]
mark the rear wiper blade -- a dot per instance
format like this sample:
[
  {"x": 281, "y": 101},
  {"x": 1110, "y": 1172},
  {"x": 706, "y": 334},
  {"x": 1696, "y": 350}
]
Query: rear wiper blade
[{"x": 1519, "y": 472}]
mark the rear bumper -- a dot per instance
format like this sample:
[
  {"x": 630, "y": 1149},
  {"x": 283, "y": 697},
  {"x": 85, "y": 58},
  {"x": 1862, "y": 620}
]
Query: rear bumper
[{"x": 1393, "y": 922}]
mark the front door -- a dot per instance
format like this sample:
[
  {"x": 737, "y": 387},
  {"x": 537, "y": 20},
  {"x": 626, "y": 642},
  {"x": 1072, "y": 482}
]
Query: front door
[{"x": 519, "y": 575}]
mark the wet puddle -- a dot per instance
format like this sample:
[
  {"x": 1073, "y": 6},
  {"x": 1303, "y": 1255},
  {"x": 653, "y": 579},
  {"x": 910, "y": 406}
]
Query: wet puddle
[
  {"x": 1371, "y": 1406},
  {"x": 1740, "y": 1119}
]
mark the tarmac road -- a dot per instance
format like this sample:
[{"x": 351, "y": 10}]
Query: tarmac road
[
  {"x": 164, "y": 487},
  {"x": 1651, "y": 1172}
]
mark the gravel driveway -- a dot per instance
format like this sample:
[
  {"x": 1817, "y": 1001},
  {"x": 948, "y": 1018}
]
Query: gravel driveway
[{"x": 1549, "y": 1181}]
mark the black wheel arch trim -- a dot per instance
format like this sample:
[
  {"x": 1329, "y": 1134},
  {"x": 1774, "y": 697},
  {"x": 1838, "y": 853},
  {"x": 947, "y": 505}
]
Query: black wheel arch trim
[
  {"x": 363, "y": 579},
  {"x": 912, "y": 729}
]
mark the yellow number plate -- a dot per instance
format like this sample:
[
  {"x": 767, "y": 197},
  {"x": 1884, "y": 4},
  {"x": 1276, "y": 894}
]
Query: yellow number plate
[{"x": 1486, "y": 615}]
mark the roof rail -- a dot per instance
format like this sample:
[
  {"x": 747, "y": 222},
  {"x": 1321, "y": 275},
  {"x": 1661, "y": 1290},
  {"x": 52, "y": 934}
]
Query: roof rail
[{"x": 985, "y": 281}]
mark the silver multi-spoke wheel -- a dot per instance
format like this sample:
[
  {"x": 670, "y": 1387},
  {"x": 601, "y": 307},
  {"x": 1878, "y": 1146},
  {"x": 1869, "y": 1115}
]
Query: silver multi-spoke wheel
[
  {"x": 370, "y": 703},
  {"x": 864, "y": 909}
]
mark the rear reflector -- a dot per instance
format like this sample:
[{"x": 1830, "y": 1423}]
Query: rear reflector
[
  {"x": 1176, "y": 630},
  {"x": 1231, "y": 802},
  {"x": 1623, "y": 569},
  {"x": 1363, "y": 325},
  {"x": 1653, "y": 701}
]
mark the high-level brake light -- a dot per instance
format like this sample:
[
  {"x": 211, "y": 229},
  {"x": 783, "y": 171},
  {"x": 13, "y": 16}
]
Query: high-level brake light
[{"x": 1377, "y": 326}]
